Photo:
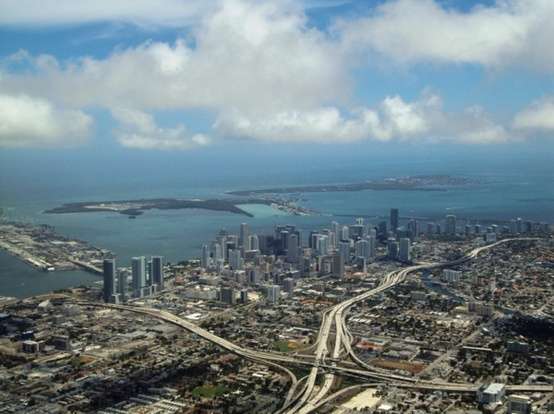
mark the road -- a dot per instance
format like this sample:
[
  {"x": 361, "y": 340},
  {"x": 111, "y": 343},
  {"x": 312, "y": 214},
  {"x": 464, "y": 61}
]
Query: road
[{"x": 309, "y": 397}]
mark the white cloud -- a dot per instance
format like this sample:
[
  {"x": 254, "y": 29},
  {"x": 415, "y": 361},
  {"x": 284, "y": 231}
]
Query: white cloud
[
  {"x": 393, "y": 119},
  {"x": 247, "y": 55},
  {"x": 509, "y": 32},
  {"x": 27, "y": 121},
  {"x": 143, "y": 12},
  {"x": 538, "y": 116},
  {"x": 139, "y": 130}
]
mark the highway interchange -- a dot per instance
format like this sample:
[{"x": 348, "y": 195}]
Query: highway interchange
[{"x": 326, "y": 361}]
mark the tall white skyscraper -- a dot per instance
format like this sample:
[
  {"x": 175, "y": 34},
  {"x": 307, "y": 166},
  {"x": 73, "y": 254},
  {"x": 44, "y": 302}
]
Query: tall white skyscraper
[
  {"x": 138, "y": 271},
  {"x": 254, "y": 242},
  {"x": 345, "y": 233},
  {"x": 322, "y": 246}
]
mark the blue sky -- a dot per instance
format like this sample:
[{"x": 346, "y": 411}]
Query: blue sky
[{"x": 192, "y": 76}]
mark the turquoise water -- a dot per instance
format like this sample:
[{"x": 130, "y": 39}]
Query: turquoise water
[{"x": 520, "y": 185}]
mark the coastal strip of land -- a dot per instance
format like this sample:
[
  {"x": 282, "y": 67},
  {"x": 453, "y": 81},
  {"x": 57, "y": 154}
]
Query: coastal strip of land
[
  {"x": 134, "y": 208},
  {"x": 415, "y": 183},
  {"x": 41, "y": 247}
]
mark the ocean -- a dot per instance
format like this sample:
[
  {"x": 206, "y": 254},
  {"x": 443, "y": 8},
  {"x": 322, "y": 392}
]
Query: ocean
[{"x": 507, "y": 186}]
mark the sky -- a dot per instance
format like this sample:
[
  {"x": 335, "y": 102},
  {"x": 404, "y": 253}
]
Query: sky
[{"x": 176, "y": 76}]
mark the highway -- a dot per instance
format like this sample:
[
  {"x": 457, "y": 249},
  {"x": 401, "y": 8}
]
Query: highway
[
  {"x": 312, "y": 397},
  {"x": 308, "y": 402}
]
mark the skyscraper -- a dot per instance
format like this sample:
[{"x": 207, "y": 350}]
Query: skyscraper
[
  {"x": 109, "y": 279},
  {"x": 393, "y": 219},
  {"x": 450, "y": 225},
  {"x": 273, "y": 293},
  {"x": 344, "y": 251},
  {"x": 235, "y": 259},
  {"x": 372, "y": 239},
  {"x": 205, "y": 259},
  {"x": 288, "y": 285},
  {"x": 392, "y": 249},
  {"x": 158, "y": 271},
  {"x": 292, "y": 251},
  {"x": 405, "y": 254},
  {"x": 362, "y": 248},
  {"x": 254, "y": 242},
  {"x": 122, "y": 285},
  {"x": 338, "y": 265},
  {"x": 227, "y": 295},
  {"x": 138, "y": 272},
  {"x": 243, "y": 237}
]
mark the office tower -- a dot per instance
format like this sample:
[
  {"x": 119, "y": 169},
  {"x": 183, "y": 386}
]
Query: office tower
[
  {"x": 450, "y": 225},
  {"x": 356, "y": 231},
  {"x": 336, "y": 229},
  {"x": 254, "y": 277},
  {"x": 413, "y": 229},
  {"x": 362, "y": 248},
  {"x": 205, "y": 259},
  {"x": 322, "y": 245},
  {"x": 405, "y": 253},
  {"x": 158, "y": 271},
  {"x": 360, "y": 221},
  {"x": 243, "y": 237},
  {"x": 393, "y": 219},
  {"x": 227, "y": 295},
  {"x": 222, "y": 240},
  {"x": 254, "y": 242},
  {"x": 338, "y": 265},
  {"x": 467, "y": 229},
  {"x": 382, "y": 229},
  {"x": 292, "y": 251},
  {"x": 284, "y": 237},
  {"x": 244, "y": 296},
  {"x": 109, "y": 279},
  {"x": 288, "y": 285},
  {"x": 438, "y": 228},
  {"x": 217, "y": 252},
  {"x": 372, "y": 246},
  {"x": 372, "y": 232},
  {"x": 273, "y": 293},
  {"x": 392, "y": 248},
  {"x": 430, "y": 228},
  {"x": 477, "y": 229},
  {"x": 519, "y": 225},
  {"x": 235, "y": 259},
  {"x": 138, "y": 272},
  {"x": 345, "y": 233},
  {"x": 122, "y": 285},
  {"x": 344, "y": 251}
]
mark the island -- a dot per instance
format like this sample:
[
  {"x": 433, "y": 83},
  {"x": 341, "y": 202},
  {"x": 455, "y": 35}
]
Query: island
[
  {"x": 134, "y": 208},
  {"x": 415, "y": 183}
]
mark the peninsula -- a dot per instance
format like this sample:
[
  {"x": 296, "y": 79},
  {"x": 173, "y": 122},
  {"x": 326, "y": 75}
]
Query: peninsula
[{"x": 416, "y": 183}]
